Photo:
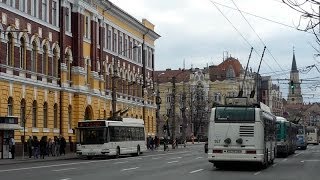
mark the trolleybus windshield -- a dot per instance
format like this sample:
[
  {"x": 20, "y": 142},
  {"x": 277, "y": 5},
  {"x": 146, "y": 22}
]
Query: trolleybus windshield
[{"x": 235, "y": 115}]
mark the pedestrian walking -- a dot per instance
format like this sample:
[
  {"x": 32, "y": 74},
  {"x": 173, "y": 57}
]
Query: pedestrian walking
[
  {"x": 57, "y": 145},
  {"x": 36, "y": 147},
  {"x": 43, "y": 146},
  {"x": 12, "y": 147},
  {"x": 30, "y": 146},
  {"x": 63, "y": 145}
]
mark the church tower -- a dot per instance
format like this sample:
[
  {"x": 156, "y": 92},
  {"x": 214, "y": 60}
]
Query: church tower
[{"x": 294, "y": 96}]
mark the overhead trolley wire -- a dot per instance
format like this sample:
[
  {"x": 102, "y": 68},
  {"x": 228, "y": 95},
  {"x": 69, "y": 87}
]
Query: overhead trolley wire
[
  {"x": 239, "y": 32},
  {"x": 256, "y": 34}
]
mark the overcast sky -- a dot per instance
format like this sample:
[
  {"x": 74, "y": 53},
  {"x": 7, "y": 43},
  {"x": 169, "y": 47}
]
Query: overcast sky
[{"x": 196, "y": 32}]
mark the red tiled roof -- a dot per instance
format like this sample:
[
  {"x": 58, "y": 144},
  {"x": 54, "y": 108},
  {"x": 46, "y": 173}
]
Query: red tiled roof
[
  {"x": 219, "y": 72},
  {"x": 166, "y": 76}
]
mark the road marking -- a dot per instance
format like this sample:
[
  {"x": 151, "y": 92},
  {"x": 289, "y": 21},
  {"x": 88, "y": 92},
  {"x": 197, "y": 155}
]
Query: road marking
[
  {"x": 257, "y": 173},
  {"x": 86, "y": 162},
  {"x": 66, "y": 179},
  {"x": 130, "y": 169},
  {"x": 172, "y": 162},
  {"x": 157, "y": 158},
  {"x": 121, "y": 162},
  {"x": 199, "y": 157},
  {"x": 274, "y": 165},
  {"x": 297, "y": 154},
  {"x": 311, "y": 160},
  {"x": 176, "y": 158},
  {"x": 285, "y": 160},
  {"x": 196, "y": 171},
  {"x": 66, "y": 169}
]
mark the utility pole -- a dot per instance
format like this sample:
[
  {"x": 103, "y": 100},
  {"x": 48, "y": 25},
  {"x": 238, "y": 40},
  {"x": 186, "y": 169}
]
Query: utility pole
[
  {"x": 183, "y": 111},
  {"x": 173, "y": 111},
  {"x": 158, "y": 102}
]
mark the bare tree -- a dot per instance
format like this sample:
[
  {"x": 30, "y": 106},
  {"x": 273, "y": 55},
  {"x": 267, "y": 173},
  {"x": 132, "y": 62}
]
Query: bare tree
[{"x": 309, "y": 18}]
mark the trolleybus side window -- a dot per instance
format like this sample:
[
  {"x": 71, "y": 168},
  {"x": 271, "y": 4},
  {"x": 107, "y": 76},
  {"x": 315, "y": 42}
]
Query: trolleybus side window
[
  {"x": 234, "y": 114},
  {"x": 126, "y": 133}
]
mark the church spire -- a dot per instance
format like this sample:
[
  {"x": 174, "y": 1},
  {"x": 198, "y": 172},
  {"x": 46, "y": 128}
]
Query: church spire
[{"x": 294, "y": 64}]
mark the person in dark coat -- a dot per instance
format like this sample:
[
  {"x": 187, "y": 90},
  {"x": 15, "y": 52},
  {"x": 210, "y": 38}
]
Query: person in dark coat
[
  {"x": 43, "y": 147},
  {"x": 63, "y": 145}
]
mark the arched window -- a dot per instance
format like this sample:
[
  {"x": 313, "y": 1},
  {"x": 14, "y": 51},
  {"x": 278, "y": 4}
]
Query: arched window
[
  {"x": 22, "y": 112},
  {"x": 55, "y": 115},
  {"x": 34, "y": 57},
  {"x": 54, "y": 66},
  {"x": 10, "y": 106},
  {"x": 10, "y": 50},
  {"x": 22, "y": 53},
  {"x": 45, "y": 115},
  {"x": 34, "y": 113},
  {"x": 44, "y": 66},
  {"x": 70, "y": 117},
  {"x": 68, "y": 63}
]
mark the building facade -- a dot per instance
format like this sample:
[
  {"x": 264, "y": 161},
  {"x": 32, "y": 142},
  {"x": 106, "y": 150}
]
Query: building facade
[
  {"x": 196, "y": 91},
  {"x": 57, "y": 61},
  {"x": 271, "y": 95}
]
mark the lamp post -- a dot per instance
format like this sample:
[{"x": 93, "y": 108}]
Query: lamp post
[{"x": 114, "y": 83}]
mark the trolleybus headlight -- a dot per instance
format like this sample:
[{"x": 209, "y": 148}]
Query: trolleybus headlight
[
  {"x": 239, "y": 141},
  {"x": 227, "y": 141}
]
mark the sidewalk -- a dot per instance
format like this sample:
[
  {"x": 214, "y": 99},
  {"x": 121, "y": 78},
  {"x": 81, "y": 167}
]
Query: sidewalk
[{"x": 26, "y": 159}]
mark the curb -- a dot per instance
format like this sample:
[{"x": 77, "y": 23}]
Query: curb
[{"x": 25, "y": 161}]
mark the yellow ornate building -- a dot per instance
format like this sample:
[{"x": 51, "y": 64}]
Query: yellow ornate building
[{"x": 57, "y": 60}]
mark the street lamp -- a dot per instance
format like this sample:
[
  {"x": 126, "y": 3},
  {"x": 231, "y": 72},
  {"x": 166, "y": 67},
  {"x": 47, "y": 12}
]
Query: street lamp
[{"x": 113, "y": 82}]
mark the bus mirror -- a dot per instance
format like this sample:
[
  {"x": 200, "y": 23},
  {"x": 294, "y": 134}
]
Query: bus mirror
[{"x": 227, "y": 141}]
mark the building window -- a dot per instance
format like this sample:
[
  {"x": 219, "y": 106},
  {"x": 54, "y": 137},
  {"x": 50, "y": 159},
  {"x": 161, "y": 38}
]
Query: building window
[
  {"x": 34, "y": 8},
  {"x": 44, "y": 60},
  {"x": 22, "y": 112},
  {"x": 139, "y": 54},
  {"x": 12, "y": 3},
  {"x": 125, "y": 47},
  {"x": 55, "y": 116},
  {"x": 22, "y": 5},
  {"x": 34, "y": 114},
  {"x": 10, "y": 106},
  {"x": 22, "y": 53},
  {"x": 54, "y": 66},
  {"x": 68, "y": 20},
  {"x": 54, "y": 13},
  {"x": 44, "y": 10},
  {"x": 115, "y": 42},
  {"x": 45, "y": 115},
  {"x": 34, "y": 57},
  {"x": 10, "y": 50},
  {"x": 88, "y": 68},
  {"x": 150, "y": 58},
  {"x": 121, "y": 45},
  {"x": 130, "y": 50},
  {"x": 98, "y": 33},
  {"x": 87, "y": 27},
  {"x": 70, "y": 117},
  {"x": 135, "y": 53},
  {"x": 69, "y": 63},
  {"x": 109, "y": 40}
]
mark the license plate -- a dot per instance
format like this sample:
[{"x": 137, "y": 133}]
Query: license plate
[{"x": 233, "y": 151}]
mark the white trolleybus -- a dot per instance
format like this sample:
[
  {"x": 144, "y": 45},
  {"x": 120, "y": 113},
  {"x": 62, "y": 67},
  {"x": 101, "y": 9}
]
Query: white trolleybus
[
  {"x": 240, "y": 132},
  {"x": 110, "y": 138},
  {"x": 313, "y": 135}
]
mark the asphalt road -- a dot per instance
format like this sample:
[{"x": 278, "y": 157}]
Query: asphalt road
[{"x": 184, "y": 163}]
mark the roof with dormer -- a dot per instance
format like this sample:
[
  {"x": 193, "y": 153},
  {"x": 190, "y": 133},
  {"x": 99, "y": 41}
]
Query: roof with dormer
[{"x": 219, "y": 72}]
